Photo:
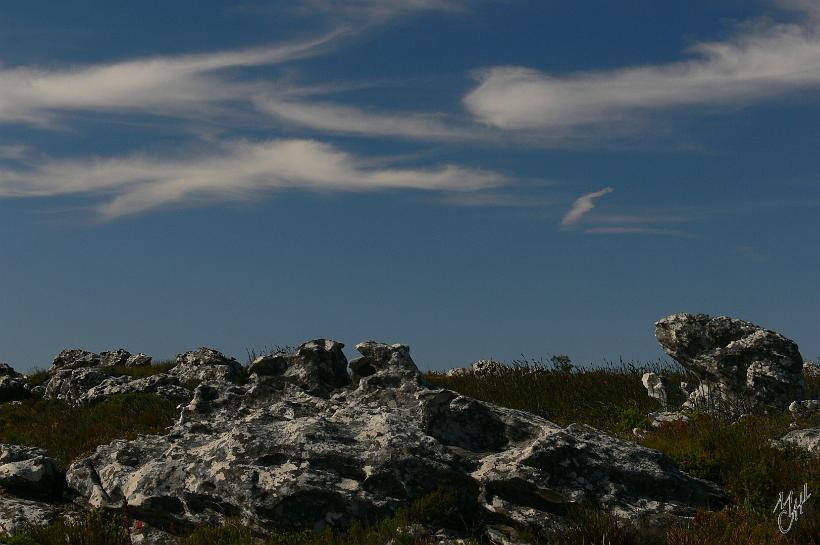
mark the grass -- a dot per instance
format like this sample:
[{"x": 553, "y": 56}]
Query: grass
[
  {"x": 95, "y": 527},
  {"x": 68, "y": 432},
  {"x": 140, "y": 371},
  {"x": 611, "y": 398}
]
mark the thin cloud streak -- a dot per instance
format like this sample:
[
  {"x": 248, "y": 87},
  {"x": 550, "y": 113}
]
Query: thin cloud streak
[
  {"x": 761, "y": 61},
  {"x": 581, "y": 207},
  {"x": 335, "y": 118},
  {"x": 169, "y": 85},
  {"x": 136, "y": 184}
]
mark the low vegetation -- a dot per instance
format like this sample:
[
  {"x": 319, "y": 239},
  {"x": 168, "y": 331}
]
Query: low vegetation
[
  {"x": 141, "y": 371},
  {"x": 68, "y": 432}
]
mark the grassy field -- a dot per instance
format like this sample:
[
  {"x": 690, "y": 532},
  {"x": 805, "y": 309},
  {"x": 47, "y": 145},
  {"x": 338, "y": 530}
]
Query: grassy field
[{"x": 737, "y": 456}]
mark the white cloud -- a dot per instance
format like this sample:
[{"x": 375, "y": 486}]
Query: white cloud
[
  {"x": 135, "y": 184},
  {"x": 358, "y": 121},
  {"x": 14, "y": 151},
  {"x": 761, "y": 61},
  {"x": 580, "y": 207},
  {"x": 169, "y": 85}
]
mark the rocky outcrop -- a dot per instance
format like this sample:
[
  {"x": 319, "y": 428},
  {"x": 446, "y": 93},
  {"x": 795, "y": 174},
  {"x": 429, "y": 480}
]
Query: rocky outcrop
[
  {"x": 114, "y": 357},
  {"x": 74, "y": 357},
  {"x": 305, "y": 444},
  {"x": 71, "y": 384},
  {"x": 739, "y": 364}
]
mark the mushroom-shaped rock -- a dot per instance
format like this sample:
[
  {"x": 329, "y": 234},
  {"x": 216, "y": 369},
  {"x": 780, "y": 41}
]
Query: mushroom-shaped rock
[
  {"x": 206, "y": 364},
  {"x": 114, "y": 357},
  {"x": 740, "y": 364},
  {"x": 319, "y": 366},
  {"x": 381, "y": 357},
  {"x": 74, "y": 357},
  {"x": 27, "y": 472}
]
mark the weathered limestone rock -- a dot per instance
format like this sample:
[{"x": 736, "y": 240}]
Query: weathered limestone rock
[
  {"x": 74, "y": 357},
  {"x": 206, "y": 364},
  {"x": 304, "y": 447},
  {"x": 27, "y": 472},
  {"x": 114, "y": 357},
  {"x": 162, "y": 383},
  {"x": 71, "y": 384},
  {"x": 656, "y": 420},
  {"x": 480, "y": 367},
  {"x": 740, "y": 364},
  {"x": 138, "y": 360},
  {"x": 807, "y": 439},
  {"x": 17, "y": 513},
  {"x": 318, "y": 366}
]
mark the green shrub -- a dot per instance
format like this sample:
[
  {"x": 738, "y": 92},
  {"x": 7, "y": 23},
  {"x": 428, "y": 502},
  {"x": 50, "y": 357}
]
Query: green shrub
[{"x": 68, "y": 432}]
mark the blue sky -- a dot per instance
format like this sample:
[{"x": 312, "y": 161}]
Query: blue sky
[{"x": 473, "y": 178}]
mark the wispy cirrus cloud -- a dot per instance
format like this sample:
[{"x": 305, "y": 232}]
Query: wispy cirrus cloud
[
  {"x": 337, "y": 118},
  {"x": 191, "y": 85},
  {"x": 137, "y": 183},
  {"x": 762, "y": 60},
  {"x": 580, "y": 207}
]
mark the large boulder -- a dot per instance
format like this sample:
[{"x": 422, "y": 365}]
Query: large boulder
[
  {"x": 27, "y": 472},
  {"x": 740, "y": 365},
  {"x": 304, "y": 447},
  {"x": 206, "y": 364}
]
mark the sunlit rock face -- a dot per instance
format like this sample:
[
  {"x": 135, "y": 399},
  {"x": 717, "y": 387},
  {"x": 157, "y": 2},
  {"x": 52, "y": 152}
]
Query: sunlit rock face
[
  {"x": 740, "y": 365},
  {"x": 307, "y": 441}
]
